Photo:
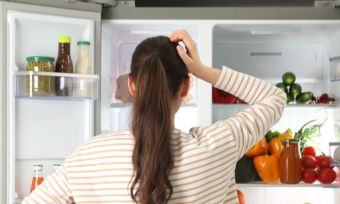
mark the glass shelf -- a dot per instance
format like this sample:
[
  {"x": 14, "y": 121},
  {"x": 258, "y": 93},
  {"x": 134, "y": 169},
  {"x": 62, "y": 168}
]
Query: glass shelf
[
  {"x": 241, "y": 106},
  {"x": 43, "y": 85},
  {"x": 314, "y": 185},
  {"x": 123, "y": 105}
]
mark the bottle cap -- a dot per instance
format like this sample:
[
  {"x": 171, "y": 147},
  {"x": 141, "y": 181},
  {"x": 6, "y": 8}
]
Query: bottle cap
[
  {"x": 37, "y": 167},
  {"x": 64, "y": 39},
  {"x": 39, "y": 58},
  {"x": 83, "y": 42}
]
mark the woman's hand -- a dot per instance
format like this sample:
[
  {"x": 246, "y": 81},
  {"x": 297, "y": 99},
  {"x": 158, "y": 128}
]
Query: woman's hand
[{"x": 192, "y": 59}]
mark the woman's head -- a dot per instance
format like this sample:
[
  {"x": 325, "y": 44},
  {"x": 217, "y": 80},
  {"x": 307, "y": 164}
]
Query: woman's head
[{"x": 158, "y": 80}]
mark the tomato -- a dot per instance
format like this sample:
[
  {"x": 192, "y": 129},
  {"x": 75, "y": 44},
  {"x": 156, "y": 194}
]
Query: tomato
[
  {"x": 308, "y": 161},
  {"x": 323, "y": 161},
  {"x": 309, "y": 151},
  {"x": 241, "y": 197},
  {"x": 326, "y": 175},
  {"x": 308, "y": 176}
]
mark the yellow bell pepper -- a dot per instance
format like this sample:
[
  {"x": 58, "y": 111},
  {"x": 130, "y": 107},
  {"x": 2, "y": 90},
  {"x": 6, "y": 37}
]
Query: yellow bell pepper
[
  {"x": 286, "y": 136},
  {"x": 260, "y": 148},
  {"x": 275, "y": 146},
  {"x": 268, "y": 168}
]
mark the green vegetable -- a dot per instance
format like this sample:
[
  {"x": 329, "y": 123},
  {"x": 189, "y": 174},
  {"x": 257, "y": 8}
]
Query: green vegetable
[
  {"x": 245, "y": 171},
  {"x": 290, "y": 98},
  {"x": 304, "y": 97},
  {"x": 288, "y": 78},
  {"x": 295, "y": 89},
  {"x": 271, "y": 135},
  {"x": 307, "y": 132}
]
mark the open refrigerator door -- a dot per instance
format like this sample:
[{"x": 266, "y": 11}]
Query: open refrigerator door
[{"x": 44, "y": 128}]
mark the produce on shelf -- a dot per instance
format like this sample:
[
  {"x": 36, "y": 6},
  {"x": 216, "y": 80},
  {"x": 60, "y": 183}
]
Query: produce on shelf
[
  {"x": 268, "y": 168},
  {"x": 316, "y": 167},
  {"x": 309, "y": 151},
  {"x": 245, "y": 171},
  {"x": 307, "y": 132},
  {"x": 223, "y": 97},
  {"x": 309, "y": 175},
  {"x": 260, "y": 148},
  {"x": 295, "y": 94}
]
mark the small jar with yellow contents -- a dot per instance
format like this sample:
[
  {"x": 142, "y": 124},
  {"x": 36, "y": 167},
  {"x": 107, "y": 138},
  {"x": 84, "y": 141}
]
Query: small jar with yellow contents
[{"x": 37, "y": 85}]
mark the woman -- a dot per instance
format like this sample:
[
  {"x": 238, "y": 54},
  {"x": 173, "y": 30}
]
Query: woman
[{"x": 154, "y": 162}]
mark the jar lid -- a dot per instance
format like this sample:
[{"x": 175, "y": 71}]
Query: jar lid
[
  {"x": 83, "y": 42},
  {"x": 37, "y": 167},
  {"x": 64, "y": 39},
  {"x": 39, "y": 58},
  {"x": 291, "y": 140}
]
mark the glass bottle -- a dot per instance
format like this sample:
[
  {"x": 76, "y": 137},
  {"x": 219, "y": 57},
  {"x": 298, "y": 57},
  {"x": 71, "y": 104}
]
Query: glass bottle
[
  {"x": 83, "y": 87},
  {"x": 290, "y": 162},
  {"x": 37, "y": 176},
  {"x": 64, "y": 64}
]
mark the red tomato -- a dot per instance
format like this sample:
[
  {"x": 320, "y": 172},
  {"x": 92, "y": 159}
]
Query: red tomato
[
  {"x": 308, "y": 176},
  {"x": 326, "y": 175},
  {"x": 241, "y": 197},
  {"x": 309, "y": 151},
  {"x": 323, "y": 161},
  {"x": 308, "y": 161}
]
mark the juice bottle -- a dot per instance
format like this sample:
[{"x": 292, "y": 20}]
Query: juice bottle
[
  {"x": 37, "y": 176},
  {"x": 83, "y": 66}
]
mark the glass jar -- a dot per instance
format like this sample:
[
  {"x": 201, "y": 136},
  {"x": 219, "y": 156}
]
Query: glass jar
[
  {"x": 290, "y": 162},
  {"x": 40, "y": 85}
]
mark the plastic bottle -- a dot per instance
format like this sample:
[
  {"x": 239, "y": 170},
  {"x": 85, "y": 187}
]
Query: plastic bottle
[
  {"x": 83, "y": 66},
  {"x": 37, "y": 176}
]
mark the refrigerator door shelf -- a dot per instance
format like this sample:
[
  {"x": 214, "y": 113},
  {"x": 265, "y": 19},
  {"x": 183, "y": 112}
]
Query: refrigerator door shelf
[{"x": 42, "y": 85}]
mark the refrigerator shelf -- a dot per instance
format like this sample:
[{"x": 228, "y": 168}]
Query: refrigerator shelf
[
  {"x": 315, "y": 185},
  {"x": 123, "y": 105},
  {"x": 42, "y": 85},
  {"x": 242, "y": 106}
]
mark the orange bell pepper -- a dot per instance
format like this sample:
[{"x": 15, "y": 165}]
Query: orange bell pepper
[
  {"x": 260, "y": 148},
  {"x": 275, "y": 146},
  {"x": 268, "y": 168},
  {"x": 286, "y": 136}
]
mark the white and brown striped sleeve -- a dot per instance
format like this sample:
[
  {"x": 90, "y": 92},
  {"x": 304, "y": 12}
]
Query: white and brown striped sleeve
[
  {"x": 55, "y": 189},
  {"x": 248, "y": 126}
]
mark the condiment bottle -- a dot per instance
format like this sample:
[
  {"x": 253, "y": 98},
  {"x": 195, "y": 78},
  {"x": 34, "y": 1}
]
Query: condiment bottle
[
  {"x": 64, "y": 65},
  {"x": 37, "y": 176},
  {"x": 83, "y": 67},
  {"x": 290, "y": 162}
]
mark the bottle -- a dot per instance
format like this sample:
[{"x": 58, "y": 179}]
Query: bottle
[
  {"x": 64, "y": 65},
  {"x": 37, "y": 176},
  {"x": 290, "y": 162},
  {"x": 83, "y": 87}
]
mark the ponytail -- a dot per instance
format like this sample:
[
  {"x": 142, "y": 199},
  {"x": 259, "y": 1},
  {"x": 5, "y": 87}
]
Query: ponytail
[{"x": 157, "y": 83}]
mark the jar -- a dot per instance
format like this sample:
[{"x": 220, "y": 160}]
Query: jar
[
  {"x": 40, "y": 85},
  {"x": 290, "y": 162}
]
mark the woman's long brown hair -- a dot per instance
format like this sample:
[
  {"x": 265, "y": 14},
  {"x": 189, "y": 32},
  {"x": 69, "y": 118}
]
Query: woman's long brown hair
[{"x": 158, "y": 72}]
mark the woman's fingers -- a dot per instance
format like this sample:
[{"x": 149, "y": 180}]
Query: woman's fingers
[
  {"x": 182, "y": 35},
  {"x": 184, "y": 56}
]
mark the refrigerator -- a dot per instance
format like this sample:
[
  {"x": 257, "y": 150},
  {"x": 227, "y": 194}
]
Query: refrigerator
[{"x": 264, "y": 42}]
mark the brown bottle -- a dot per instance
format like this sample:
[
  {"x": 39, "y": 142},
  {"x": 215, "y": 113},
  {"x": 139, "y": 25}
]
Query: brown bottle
[
  {"x": 64, "y": 65},
  {"x": 290, "y": 162}
]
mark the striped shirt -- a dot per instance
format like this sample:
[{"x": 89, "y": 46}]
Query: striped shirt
[{"x": 204, "y": 159}]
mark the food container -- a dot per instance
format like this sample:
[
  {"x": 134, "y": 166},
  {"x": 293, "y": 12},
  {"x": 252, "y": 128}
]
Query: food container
[{"x": 40, "y": 85}]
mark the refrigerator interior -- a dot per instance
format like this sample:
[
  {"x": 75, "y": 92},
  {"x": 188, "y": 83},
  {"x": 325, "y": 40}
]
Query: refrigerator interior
[
  {"x": 119, "y": 39},
  {"x": 267, "y": 49},
  {"x": 43, "y": 130}
]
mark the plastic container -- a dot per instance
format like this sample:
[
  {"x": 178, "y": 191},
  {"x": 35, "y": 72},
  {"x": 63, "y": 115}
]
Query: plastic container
[{"x": 40, "y": 85}]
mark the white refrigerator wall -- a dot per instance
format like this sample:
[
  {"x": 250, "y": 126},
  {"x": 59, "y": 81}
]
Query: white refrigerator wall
[
  {"x": 119, "y": 39},
  {"x": 43, "y": 131}
]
